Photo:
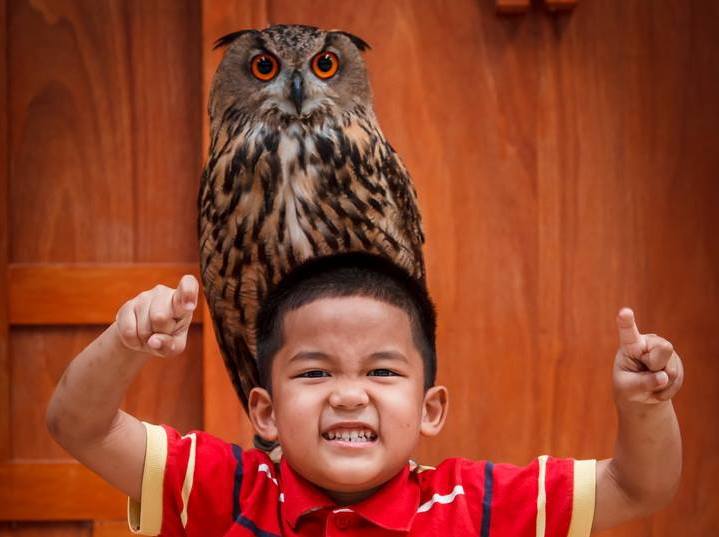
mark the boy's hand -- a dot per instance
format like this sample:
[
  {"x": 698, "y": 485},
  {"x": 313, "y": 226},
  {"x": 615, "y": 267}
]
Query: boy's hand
[
  {"x": 646, "y": 368},
  {"x": 644, "y": 472},
  {"x": 157, "y": 321}
]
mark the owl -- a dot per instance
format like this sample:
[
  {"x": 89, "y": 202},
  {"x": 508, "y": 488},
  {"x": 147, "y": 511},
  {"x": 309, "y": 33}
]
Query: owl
[{"x": 297, "y": 168}]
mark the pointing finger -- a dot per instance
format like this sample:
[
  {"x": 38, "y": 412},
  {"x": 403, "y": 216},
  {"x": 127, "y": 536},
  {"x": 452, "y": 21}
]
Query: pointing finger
[
  {"x": 184, "y": 299},
  {"x": 631, "y": 341}
]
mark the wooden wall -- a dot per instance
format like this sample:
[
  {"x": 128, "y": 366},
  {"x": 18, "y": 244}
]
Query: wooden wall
[{"x": 567, "y": 164}]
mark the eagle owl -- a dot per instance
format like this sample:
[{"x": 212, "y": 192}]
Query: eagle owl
[{"x": 298, "y": 167}]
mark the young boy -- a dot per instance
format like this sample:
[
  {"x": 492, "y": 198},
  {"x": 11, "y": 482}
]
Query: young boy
[{"x": 347, "y": 365}]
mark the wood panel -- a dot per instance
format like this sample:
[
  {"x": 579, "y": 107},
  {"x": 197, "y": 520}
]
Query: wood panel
[
  {"x": 84, "y": 293},
  {"x": 71, "y": 128},
  {"x": 103, "y": 115},
  {"x": 166, "y": 391},
  {"x": 4, "y": 326},
  {"x": 167, "y": 103},
  {"x": 54, "y": 491}
]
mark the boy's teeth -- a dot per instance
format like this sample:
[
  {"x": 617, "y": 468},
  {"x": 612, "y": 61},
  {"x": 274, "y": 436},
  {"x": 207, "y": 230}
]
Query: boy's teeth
[{"x": 362, "y": 435}]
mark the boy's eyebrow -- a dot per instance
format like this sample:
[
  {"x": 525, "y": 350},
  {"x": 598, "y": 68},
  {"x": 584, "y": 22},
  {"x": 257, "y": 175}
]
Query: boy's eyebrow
[
  {"x": 389, "y": 355},
  {"x": 308, "y": 355},
  {"x": 380, "y": 355}
]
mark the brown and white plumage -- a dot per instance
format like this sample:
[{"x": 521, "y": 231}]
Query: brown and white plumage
[{"x": 298, "y": 167}]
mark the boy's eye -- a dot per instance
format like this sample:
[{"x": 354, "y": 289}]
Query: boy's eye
[
  {"x": 382, "y": 373},
  {"x": 315, "y": 373}
]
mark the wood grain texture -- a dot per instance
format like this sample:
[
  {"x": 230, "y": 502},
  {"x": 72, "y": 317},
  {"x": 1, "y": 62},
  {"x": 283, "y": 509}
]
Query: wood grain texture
[
  {"x": 53, "y": 294},
  {"x": 53, "y": 491},
  {"x": 565, "y": 167},
  {"x": 4, "y": 325},
  {"x": 167, "y": 108},
  {"x": 103, "y": 130},
  {"x": 71, "y": 125},
  {"x": 103, "y": 127},
  {"x": 167, "y": 391}
]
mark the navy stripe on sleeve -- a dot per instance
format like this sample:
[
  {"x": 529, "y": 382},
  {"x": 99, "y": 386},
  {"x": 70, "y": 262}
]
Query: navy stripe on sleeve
[
  {"x": 487, "y": 501},
  {"x": 237, "y": 487}
]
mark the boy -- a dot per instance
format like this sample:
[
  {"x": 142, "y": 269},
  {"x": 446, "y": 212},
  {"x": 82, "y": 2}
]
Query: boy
[{"x": 347, "y": 365}]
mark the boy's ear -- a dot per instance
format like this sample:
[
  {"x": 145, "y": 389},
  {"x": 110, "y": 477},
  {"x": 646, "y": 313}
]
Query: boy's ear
[
  {"x": 434, "y": 410},
  {"x": 262, "y": 414}
]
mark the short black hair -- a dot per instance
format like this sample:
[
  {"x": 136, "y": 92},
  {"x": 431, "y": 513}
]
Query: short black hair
[{"x": 343, "y": 275}]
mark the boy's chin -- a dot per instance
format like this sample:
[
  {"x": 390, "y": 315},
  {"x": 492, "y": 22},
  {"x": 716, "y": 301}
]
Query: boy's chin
[{"x": 351, "y": 480}]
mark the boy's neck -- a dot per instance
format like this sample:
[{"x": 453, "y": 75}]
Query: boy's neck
[{"x": 349, "y": 498}]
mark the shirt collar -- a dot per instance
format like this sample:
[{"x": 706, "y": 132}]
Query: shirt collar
[{"x": 392, "y": 507}]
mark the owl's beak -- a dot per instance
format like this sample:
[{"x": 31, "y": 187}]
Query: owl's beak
[{"x": 296, "y": 91}]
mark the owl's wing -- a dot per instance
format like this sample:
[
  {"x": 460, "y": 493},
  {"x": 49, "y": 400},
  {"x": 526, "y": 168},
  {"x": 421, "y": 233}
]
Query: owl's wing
[
  {"x": 229, "y": 279},
  {"x": 402, "y": 191}
]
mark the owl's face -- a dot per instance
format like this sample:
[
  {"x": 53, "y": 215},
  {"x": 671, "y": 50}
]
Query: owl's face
[{"x": 292, "y": 73}]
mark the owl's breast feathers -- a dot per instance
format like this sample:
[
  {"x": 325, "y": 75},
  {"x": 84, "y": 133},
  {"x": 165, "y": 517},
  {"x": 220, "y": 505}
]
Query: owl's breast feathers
[{"x": 274, "y": 196}]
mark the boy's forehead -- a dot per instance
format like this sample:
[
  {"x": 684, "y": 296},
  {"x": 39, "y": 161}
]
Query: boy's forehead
[
  {"x": 347, "y": 316},
  {"x": 351, "y": 307}
]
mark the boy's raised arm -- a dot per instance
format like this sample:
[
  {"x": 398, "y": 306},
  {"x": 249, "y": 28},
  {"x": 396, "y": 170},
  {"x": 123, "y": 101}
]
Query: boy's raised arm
[
  {"x": 644, "y": 473},
  {"x": 84, "y": 416}
]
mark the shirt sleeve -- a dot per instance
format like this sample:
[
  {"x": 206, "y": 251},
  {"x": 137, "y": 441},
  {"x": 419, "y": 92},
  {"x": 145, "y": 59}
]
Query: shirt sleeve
[
  {"x": 188, "y": 484},
  {"x": 548, "y": 498}
]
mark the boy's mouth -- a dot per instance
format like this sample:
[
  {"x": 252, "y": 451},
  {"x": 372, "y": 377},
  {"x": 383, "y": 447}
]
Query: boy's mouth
[{"x": 357, "y": 435}]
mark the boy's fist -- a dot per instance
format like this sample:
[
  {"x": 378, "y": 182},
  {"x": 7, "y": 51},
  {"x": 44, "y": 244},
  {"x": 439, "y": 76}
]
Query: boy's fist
[
  {"x": 156, "y": 321},
  {"x": 646, "y": 369}
]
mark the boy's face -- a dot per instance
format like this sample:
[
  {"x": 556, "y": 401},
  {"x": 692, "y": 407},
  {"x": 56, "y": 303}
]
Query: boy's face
[{"x": 348, "y": 403}]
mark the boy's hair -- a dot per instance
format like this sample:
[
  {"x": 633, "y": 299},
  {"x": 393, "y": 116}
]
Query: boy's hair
[{"x": 343, "y": 275}]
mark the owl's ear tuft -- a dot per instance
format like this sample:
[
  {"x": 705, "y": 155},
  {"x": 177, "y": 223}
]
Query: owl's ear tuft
[
  {"x": 229, "y": 38},
  {"x": 360, "y": 43}
]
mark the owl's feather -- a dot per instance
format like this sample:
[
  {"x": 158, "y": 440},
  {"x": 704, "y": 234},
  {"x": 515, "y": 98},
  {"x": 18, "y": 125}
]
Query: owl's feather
[{"x": 278, "y": 190}]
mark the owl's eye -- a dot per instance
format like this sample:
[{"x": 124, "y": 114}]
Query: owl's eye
[
  {"x": 264, "y": 67},
  {"x": 325, "y": 64}
]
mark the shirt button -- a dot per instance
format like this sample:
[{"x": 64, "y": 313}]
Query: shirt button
[{"x": 344, "y": 520}]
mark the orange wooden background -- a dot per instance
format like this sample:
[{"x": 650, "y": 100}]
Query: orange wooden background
[{"x": 567, "y": 164}]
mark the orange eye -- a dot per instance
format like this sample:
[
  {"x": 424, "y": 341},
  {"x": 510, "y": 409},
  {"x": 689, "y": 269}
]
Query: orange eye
[
  {"x": 264, "y": 67},
  {"x": 325, "y": 64}
]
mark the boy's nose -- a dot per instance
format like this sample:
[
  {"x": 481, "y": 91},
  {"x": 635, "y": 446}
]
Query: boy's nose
[{"x": 348, "y": 395}]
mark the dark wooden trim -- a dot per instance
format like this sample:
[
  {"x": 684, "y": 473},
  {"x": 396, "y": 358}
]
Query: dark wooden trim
[
  {"x": 71, "y": 294},
  {"x": 57, "y": 491}
]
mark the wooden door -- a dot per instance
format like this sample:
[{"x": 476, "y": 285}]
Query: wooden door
[
  {"x": 567, "y": 164},
  {"x": 102, "y": 152}
]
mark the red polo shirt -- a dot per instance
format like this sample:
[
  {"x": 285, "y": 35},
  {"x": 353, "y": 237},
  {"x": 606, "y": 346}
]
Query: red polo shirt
[{"x": 199, "y": 485}]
